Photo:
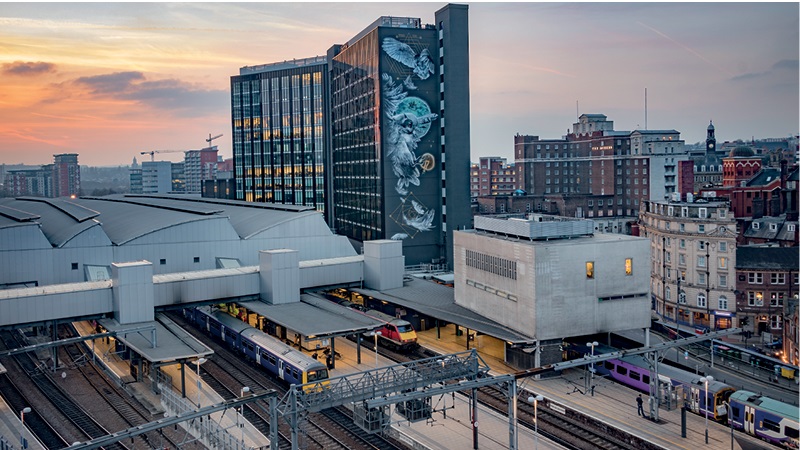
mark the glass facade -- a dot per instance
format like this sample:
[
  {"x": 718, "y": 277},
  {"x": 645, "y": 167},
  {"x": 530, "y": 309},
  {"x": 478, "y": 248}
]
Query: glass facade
[
  {"x": 279, "y": 133},
  {"x": 357, "y": 187}
]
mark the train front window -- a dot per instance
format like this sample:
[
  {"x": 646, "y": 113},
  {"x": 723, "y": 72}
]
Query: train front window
[
  {"x": 317, "y": 375},
  {"x": 404, "y": 329}
]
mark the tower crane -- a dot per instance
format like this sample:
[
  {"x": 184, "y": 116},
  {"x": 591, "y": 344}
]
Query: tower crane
[
  {"x": 153, "y": 152},
  {"x": 212, "y": 138}
]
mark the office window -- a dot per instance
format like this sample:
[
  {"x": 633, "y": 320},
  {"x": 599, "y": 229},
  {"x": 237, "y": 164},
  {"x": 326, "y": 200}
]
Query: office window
[
  {"x": 701, "y": 278},
  {"x": 681, "y": 259},
  {"x": 682, "y": 298},
  {"x": 682, "y": 243},
  {"x": 722, "y": 262},
  {"x": 755, "y": 278},
  {"x": 755, "y": 298},
  {"x": 628, "y": 266},
  {"x": 668, "y": 293},
  {"x": 723, "y": 281},
  {"x": 701, "y": 228},
  {"x": 682, "y": 227},
  {"x": 589, "y": 269},
  {"x": 723, "y": 247},
  {"x": 723, "y": 303}
]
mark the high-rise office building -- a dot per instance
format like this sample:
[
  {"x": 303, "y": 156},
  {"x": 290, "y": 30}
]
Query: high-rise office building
[
  {"x": 280, "y": 128},
  {"x": 360, "y": 134},
  {"x": 400, "y": 133},
  {"x": 199, "y": 165}
]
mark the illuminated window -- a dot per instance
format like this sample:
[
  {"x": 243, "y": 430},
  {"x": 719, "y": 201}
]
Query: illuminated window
[
  {"x": 590, "y": 269},
  {"x": 628, "y": 266}
]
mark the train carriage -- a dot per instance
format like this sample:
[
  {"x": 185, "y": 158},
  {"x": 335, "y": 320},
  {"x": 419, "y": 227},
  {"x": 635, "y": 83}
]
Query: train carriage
[
  {"x": 765, "y": 418},
  {"x": 281, "y": 360}
]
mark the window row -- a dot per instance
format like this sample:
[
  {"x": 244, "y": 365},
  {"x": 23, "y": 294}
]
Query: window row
[{"x": 492, "y": 264}]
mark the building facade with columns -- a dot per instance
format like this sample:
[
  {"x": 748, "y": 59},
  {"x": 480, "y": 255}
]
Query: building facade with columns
[{"x": 693, "y": 247}]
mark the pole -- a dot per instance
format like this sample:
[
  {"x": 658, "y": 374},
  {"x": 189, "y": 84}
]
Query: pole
[
  {"x": 376, "y": 334},
  {"x": 705, "y": 380},
  {"x": 663, "y": 275},
  {"x": 241, "y": 413},
  {"x": 199, "y": 381},
  {"x": 535, "y": 401},
  {"x": 22, "y": 430}
]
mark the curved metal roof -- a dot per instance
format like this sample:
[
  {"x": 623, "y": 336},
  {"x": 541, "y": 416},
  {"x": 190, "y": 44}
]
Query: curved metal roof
[{"x": 127, "y": 217}]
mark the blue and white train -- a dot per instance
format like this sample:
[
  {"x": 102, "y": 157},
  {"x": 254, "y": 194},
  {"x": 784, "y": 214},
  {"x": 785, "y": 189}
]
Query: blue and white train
[{"x": 279, "y": 359}]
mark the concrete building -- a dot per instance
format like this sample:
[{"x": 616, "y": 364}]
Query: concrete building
[
  {"x": 199, "y": 166},
  {"x": 157, "y": 177},
  {"x": 766, "y": 280},
  {"x": 394, "y": 86},
  {"x": 552, "y": 278},
  {"x": 693, "y": 245}
]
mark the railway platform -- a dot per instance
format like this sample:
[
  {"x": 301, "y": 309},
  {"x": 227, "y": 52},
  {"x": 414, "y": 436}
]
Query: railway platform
[{"x": 611, "y": 403}]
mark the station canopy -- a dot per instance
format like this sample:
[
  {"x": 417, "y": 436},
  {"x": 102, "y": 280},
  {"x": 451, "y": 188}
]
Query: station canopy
[
  {"x": 313, "y": 316},
  {"x": 438, "y": 301}
]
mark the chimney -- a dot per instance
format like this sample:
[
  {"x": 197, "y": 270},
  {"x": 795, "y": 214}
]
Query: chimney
[{"x": 784, "y": 171}]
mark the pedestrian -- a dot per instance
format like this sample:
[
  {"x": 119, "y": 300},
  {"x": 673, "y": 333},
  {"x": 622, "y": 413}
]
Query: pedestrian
[{"x": 639, "y": 402}]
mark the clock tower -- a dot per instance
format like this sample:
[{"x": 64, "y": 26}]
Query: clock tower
[{"x": 711, "y": 141}]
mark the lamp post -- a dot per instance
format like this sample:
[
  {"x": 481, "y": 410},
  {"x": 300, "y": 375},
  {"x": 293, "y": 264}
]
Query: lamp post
[
  {"x": 199, "y": 381},
  {"x": 376, "y": 334},
  {"x": 241, "y": 424},
  {"x": 591, "y": 365},
  {"x": 664, "y": 276},
  {"x": 705, "y": 380},
  {"x": 708, "y": 288},
  {"x": 22, "y": 413},
  {"x": 535, "y": 401}
]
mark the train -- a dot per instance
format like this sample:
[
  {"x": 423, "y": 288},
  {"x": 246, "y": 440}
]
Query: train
[
  {"x": 288, "y": 364},
  {"x": 397, "y": 334},
  {"x": 764, "y": 418}
]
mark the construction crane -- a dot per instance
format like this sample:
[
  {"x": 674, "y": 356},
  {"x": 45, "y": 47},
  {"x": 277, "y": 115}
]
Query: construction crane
[
  {"x": 152, "y": 153},
  {"x": 212, "y": 138}
]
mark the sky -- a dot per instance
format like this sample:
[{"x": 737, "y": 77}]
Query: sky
[{"x": 111, "y": 80}]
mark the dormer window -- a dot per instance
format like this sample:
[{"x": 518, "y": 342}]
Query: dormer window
[
  {"x": 773, "y": 227},
  {"x": 756, "y": 225}
]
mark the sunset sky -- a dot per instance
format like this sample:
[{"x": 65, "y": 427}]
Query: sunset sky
[{"x": 110, "y": 80}]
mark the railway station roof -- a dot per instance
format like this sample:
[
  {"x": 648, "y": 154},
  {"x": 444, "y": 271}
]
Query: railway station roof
[
  {"x": 315, "y": 316},
  {"x": 436, "y": 300},
  {"x": 172, "y": 342}
]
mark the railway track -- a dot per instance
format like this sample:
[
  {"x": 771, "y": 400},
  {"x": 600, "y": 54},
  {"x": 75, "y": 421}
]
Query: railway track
[
  {"x": 566, "y": 431},
  {"x": 117, "y": 409},
  {"x": 34, "y": 421},
  {"x": 330, "y": 429},
  {"x": 59, "y": 400}
]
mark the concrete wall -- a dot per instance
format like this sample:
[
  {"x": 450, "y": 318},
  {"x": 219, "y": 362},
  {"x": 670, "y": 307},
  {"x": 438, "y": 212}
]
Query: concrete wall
[
  {"x": 384, "y": 264},
  {"x": 552, "y": 297}
]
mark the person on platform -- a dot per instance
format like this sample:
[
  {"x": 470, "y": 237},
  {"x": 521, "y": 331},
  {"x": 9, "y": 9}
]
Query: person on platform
[{"x": 639, "y": 402}]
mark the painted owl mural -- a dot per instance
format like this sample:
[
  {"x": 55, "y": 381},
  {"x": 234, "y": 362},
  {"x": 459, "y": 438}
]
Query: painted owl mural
[{"x": 407, "y": 120}]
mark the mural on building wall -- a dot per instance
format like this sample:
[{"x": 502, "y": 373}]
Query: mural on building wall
[{"x": 408, "y": 120}]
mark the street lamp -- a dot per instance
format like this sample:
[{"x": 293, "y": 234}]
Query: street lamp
[
  {"x": 705, "y": 380},
  {"x": 591, "y": 365},
  {"x": 22, "y": 413},
  {"x": 730, "y": 421},
  {"x": 241, "y": 425},
  {"x": 535, "y": 401},
  {"x": 376, "y": 334},
  {"x": 199, "y": 381}
]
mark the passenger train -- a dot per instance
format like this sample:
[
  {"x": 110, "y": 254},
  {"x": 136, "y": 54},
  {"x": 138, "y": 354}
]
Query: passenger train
[
  {"x": 396, "y": 333},
  {"x": 758, "y": 416},
  {"x": 288, "y": 364}
]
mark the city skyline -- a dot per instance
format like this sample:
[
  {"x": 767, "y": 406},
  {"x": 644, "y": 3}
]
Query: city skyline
[{"x": 111, "y": 80}]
